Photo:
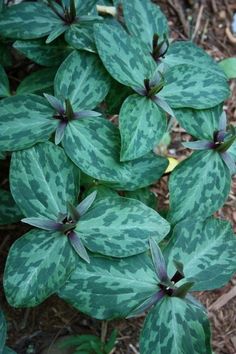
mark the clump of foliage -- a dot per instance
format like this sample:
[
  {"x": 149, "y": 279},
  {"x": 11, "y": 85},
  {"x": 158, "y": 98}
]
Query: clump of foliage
[{"x": 83, "y": 182}]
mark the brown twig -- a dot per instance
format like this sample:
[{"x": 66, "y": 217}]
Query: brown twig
[
  {"x": 198, "y": 22},
  {"x": 179, "y": 11},
  {"x": 214, "y": 6}
]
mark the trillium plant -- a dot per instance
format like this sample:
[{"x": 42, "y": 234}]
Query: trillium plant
[{"x": 83, "y": 133}]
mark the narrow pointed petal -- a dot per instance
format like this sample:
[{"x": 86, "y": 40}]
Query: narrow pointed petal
[
  {"x": 86, "y": 114},
  {"x": 199, "y": 145},
  {"x": 140, "y": 91},
  {"x": 158, "y": 261},
  {"x": 220, "y": 136},
  {"x": 60, "y": 132},
  {"x": 164, "y": 105},
  {"x": 55, "y": 103},
  {"x": 44, "y": 224},
  {"x": 78, "y": 246},
  {"x": 223, "y": 121},
  {"x": 86, "y": 203},
  {"x": 229, "y": 161},
  {"x": 73, "y": 212},
  {"x": 147, "y": 304}
]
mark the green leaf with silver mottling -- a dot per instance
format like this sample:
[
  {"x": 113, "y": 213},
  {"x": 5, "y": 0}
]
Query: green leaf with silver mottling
[
  {"x": 186, "y": 52},
  {"x": 43, "y": 180},
  {"x": 116, "y": 96},
  {"x": 81, "y": 38},
  {"x": 144, "y": 19},
  {"x": 3, "y": 331},
  {"x": 28, "y": 20},
  {"x": 98, "y": 155},
  {"x": 198, "y": 186},
  {"x": 24, "y": 121},
  {"x": 4, "y": 83},
  {"x": 85, "y": 7},
  {"x": 102, "y": 192},
  {"x": 232, "y": 151},
  {"x": 207, "y": 249},
  {"x": 44, "y": 54},
  {"x": 144, "y": 195},
  {"x": 193, "y": 87},
  {"x": 175, "y": 326},
  {"x": 39, "y": 82},
  {"x": 83, "y": 79},
  {"x": 120, "y": 227},
  {"x": 200, "y": 123},
  {"x": 124, "y": 57},
  {"x": 110, "y": 288},
  {"x": 9, "y": 211},
  {"x": 38, "y": 264},
  {"x": 142, "y": 124}
]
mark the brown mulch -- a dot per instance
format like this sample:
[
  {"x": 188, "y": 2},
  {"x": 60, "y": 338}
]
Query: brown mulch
[{"x": 31, "y": 330}]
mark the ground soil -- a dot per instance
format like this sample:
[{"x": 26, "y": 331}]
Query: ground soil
[{"x": 31, "y": 330}]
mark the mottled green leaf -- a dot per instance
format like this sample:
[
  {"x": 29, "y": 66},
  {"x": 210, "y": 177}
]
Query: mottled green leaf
[
  {"x": 186, "y": 52},
  {"x": 144, "y": 19},
  {"x": 200, "y": 123},
  {"x": 3, "y": 331},
  {"x": 81, "y": 38},
  {"x": 142, "y": 124},
  {"x": 98, "y": 155},
  {"x": 102, "y": 192},
  {"x": 44, "y": 54},
  {"x": 4, "y": 84},
  {"x": 83, "y": 79},
  {"x": 116, "y": 96},
  {"x": 198, "y": 186},
  {"x": 43, "y": 180},
  {"x": 120, "y": 227},
  {"x": 123, "y": 56},
  {"x": 206, "y": 248},
  {"x": 38, "y": 264},
  {"x": 232, "y": 150},
  {"x": 110, "y": 288},
  {"x": 38, "y": 82},
  {"x": 85, "y": 7},
  {"x": 193, "y": 87},
  {"x": 24, "y": 121},
  {"x": 229, "y": 67},
  {"x": 175, "y": 326},
  {"x": 145, "y": 195},
  {"x": 9, "y": 211},
  {"x": 28, "y": 20}
]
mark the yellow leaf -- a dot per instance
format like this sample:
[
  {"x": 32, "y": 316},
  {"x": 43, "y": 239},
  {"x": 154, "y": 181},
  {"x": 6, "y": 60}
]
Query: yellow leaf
[{"x": 172, "y": 164}]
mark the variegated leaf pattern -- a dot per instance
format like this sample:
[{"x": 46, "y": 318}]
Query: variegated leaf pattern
[
  {"x": 85, "y": 7},
  {"x": 110, "y": 288},
  {"x": 39, "y": 82},
  {"x": 193, "y": 87},
  {"x": 142, "y": 124},
  {"x": 43, "y": 180},
  {"x": 144, "y": 19},
  {"x": 98, "y": 155},
  {"x": 198, "y": 186},
  {"x": 186, "y": 52},
  {"x": 9, "y": 211},
  {"x": 38, "y": 264},
  {"x": 200, "y": 123},
  {"x": 3, "y": 331},
  {"x": 4, "y": 83},
  {"x": 28, "y": 20},
  {"x": 144, "y": 195},
  {"x": 120, "y": 227},
  {"x": 232, "y": 151},
  {"x": 175, "y": 326},
  {"x": 207, "y": 248},
  {"x": 124, "y": 57},
  {"x": 80, "y": 38},
  {"x": 83, "y": 79},
  {"x": 24, "y": 121},
  {"x": 44, "y": 54}
]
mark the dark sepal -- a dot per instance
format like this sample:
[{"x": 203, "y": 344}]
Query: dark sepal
[
  {"x": 199, "y": 145},
  {"x": 55, "y": 103},
  {"x": 163, "y": 105},
  {"x": 78, "y": 246},
  {"x": 60, "y": 132},
  {"x": 86, "y": 203},
  {"x": 159, "y": 262},
  {"x": 86, "y": 114},
  {"x": 73, "y": 212},
  {"x": 43, "y": 223}
]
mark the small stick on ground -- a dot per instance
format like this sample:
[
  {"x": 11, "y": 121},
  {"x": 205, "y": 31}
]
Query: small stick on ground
[
  {"x": 179, "y": 11},
  {"x": 198, "y": 22}
]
